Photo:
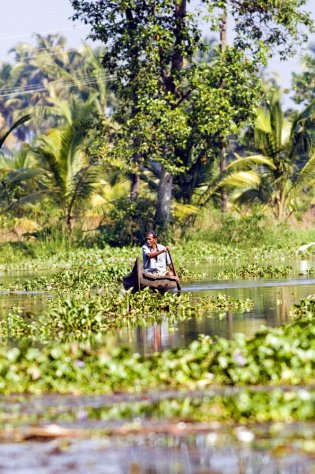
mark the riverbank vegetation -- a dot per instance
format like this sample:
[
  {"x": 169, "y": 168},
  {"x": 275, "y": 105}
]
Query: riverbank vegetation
[{"x": 224, "y": 239}]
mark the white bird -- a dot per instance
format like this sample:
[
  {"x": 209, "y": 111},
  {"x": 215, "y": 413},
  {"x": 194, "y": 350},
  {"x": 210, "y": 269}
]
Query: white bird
[{"x": 305, "y": 247}]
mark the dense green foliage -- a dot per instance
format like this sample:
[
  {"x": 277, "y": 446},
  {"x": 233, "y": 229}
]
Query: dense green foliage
[
  {"x": 284, "y": 167},
  {"x": 176, "y": 121},
  {"x": 165, "y": 133}
]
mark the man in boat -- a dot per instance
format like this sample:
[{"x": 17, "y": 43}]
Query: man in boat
[{"x": 155, "y": 256}]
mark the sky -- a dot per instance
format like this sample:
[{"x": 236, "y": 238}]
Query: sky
[{"x": 21, "y": 19}]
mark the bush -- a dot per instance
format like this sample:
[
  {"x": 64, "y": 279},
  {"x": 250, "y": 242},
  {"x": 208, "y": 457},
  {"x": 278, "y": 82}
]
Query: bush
[
  {"x": 128, "y": 224},
  {"x": 247, "y": 231}
]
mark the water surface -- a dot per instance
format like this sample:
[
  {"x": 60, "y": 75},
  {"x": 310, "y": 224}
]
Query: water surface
[
  {"x": 273, "y": 299},
  {"x": 161, "y": 446}
]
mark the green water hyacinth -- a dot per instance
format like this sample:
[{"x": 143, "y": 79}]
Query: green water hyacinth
[
  {"x": 275, "y": 356},
  {"x": 71, "y": 280},
  {"x": 261, "y": 404},
  {"x": 67, "y": 280},
  {"x": 87, "y": 314},
  {"x": 254, "y": 271},
  {"x": 306, "y": 307}
]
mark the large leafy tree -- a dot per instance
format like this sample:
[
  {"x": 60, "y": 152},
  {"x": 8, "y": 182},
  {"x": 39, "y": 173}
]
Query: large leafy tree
[
  {"x": 283, "y": 169},
  {"x": 146, "y": 47},
  {"x": 150, "y": 48}
]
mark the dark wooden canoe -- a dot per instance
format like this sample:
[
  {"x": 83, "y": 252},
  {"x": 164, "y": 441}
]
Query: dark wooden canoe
[{"x": 138, "y": 279}]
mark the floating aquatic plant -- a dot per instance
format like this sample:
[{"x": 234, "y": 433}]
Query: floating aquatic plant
[{"x": 254, "y": 271}]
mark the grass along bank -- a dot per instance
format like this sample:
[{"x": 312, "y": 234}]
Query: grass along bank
[{"x": 213, "y": 239}]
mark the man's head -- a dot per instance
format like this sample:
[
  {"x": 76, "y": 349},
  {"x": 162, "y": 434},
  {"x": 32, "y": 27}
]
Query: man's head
[{"x": 151, "y": 238}]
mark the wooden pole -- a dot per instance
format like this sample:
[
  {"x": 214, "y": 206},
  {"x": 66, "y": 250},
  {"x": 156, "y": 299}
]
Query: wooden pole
[{"x": 174, "y": 270}]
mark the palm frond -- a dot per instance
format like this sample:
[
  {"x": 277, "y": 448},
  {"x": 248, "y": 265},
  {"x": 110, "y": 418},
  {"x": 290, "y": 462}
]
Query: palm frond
[
  {"x": 276, "y": 120},
  {"x": 305, "y": 178},
  {"x": 286, "y": 132},
  {"x": 15, "y": 125},
  {"x": 30, "y": 198},
  {"x": 250, "y": 197},
  {"x": 247, "y": 162},
  {"x": 305, "y": 114},
  {"x": 183, "y": 211},
  {"x": 240, "y": 178},
  {"x": 82, "y": 186},
  {"x": 237, "y": 173},
  {"x": 4, "y": 163},
  {"x": 47, "y": 160},
  {"x": 66, "y": 139},
  {"x": 21, "y": 174},
  {"x": 262, "y": 121}
]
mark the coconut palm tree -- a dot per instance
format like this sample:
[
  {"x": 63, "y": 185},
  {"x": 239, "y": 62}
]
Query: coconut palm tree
[
  {"x": 68, "y": 176},
  {"x": 17, "y": 179},
  {"x": 20, "y": 183},
  {"x": 285, "y": 166},
  {"x": 45, "y": 71}
]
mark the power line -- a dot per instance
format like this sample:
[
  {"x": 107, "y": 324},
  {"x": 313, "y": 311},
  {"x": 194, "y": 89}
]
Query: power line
[
  {"x": 41, "y": 32},
  {"x": 34, "y": 50},
  {"x": 49, "y": 48},
  {"x": 49, "y": 51},
  {"x": 40, "y": 88},
  {"x": 61, "y": 81}
]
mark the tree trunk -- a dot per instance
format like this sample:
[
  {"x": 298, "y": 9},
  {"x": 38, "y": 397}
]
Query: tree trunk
[
  {"x": 223, "y": 193},
  {"x": 223, "y": 32},
  {"x": 68, "y": 219},
  {"x": 223, "y": 151},
  {"x": 164, "y": 195},
  {"x": 180, "y": 14},
  {"x": 134, "y": 186},
  {"x": 163, "y": 206}
]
